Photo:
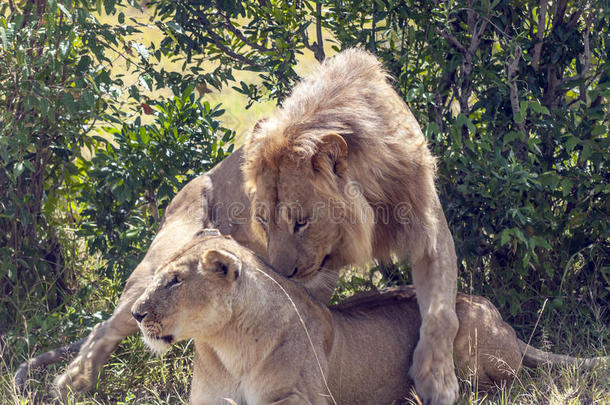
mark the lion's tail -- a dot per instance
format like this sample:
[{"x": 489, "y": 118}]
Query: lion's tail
[
  {"x": 52, "y": 356},
  {"x": 533, "y": 357}
]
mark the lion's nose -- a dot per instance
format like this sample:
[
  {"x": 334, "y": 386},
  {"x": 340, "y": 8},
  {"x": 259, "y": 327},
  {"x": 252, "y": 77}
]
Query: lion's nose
[{"x": 138, "y": 316}]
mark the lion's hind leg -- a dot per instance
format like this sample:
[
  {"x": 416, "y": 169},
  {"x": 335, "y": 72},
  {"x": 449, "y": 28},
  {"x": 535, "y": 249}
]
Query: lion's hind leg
[{"x": 485, "y": 348}]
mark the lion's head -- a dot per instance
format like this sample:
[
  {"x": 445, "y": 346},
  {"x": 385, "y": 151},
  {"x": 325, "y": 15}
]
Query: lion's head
[
  {"x": 310, "y": 215},
  {"x": 341, "y": 156},
  {"x": 191, "y": 295}
]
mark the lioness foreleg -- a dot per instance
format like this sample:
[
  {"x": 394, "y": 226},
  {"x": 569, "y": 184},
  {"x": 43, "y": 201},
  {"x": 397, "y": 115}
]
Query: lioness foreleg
[{"x": 435, "y": 279}]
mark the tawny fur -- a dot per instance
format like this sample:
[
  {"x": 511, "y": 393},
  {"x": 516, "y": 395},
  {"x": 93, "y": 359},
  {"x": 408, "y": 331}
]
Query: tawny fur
[
  {"x": 260, "y": 338},
  {"x": 345, "y": 156}
]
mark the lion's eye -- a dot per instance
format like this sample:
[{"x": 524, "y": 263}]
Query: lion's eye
[
  {"x": 175, "y": 280},
  {"x": 300, "y": 225}
]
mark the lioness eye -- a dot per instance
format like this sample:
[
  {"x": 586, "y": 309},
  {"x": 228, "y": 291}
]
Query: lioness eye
[
  {"x": 300, "y": 225},
  {"x": 174, "y": 281}
]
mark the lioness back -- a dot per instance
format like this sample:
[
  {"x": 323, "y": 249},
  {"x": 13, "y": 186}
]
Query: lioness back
[{"x": 373, "y": 351}]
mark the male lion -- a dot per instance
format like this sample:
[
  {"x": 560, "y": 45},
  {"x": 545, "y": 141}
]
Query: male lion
[
  {"x": 342, "y": 174},
  {"x": 261, "y": 339}
]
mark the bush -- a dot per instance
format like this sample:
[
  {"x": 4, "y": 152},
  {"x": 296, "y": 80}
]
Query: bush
[
  {"x": 64, "y": 189},
  {"x": 53, "y": 83},
  {"x": 130, "y": 181}
]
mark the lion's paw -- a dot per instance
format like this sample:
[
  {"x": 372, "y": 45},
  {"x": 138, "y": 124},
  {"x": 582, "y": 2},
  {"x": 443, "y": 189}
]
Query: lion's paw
[
  {"x": 434, "y": 375},
  {"x": 75, "y": 379}
]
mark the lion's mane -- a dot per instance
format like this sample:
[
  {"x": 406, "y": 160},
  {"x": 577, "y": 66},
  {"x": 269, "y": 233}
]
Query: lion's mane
[{"x": 389, "y": 179}]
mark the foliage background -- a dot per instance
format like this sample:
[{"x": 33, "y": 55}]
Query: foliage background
[{"x": 512, "y": 96}]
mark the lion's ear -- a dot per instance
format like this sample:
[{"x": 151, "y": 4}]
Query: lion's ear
[
  {"x": 258, "y": 124},
  {"x": 222, "y": 262},
  {"x": 332, "y": 154}
]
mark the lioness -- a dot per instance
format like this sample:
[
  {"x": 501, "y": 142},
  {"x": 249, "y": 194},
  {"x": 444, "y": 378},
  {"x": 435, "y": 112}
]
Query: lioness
[
  {"x": 261, "y": 339},
  {"x": 342, "y": 174}
]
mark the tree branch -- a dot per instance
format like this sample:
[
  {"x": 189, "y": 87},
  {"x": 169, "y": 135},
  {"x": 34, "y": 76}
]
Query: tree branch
[
  {"x": 241, "y": 35},
  {"x": 218, "y": 41},
  {"x": 540, "y": 34},
  {"x": 560, "y": 11},
  {"x": 513, "y": 66},
  {"x": 451, "y": 39},
  {"x": 318, "y": 46},
  {"x": 586, "y": 56},
  {"x": 319, "y": 53},
  {"x": 514, "y": 92}
]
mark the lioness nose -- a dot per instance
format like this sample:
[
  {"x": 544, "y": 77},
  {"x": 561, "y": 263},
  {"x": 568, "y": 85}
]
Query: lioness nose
[{"x": 138, "y": 316}]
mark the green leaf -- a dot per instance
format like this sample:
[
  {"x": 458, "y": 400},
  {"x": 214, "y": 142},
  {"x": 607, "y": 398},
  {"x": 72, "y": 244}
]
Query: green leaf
[
  {"x": 549, "y": 179},
  {"x": 518, "y": 117},
  {"x": 88, "y": 99},
  {"x": 505, "y": 236},
  {"x": 511, "y": 136},
  {"x": 65, "y": 46},
  {"x": 4, "y": 38},
  {"x": 175, "y": 26},
  {"x": 566, "y": 187},
  {"x": 146, "y": 82},
  {"x": 141, "y": 50},
  {"x": 599, "y": 129},
  {"x": 109, "y": 6},
  {"x": 83, "y": 63},
  {"x": 65, "y": 11},
  {"x": 68, "y": 101},
  {"x": 537, "y": 107},
  {"x": 571, "y": 143},
  {"x": 18, "y": 169}
]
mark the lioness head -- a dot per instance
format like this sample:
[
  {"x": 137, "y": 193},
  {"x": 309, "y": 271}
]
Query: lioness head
[{"x": 190, "y": 296}]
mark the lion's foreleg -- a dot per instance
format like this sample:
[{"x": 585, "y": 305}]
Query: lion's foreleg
[
  {"x": 81, "y": 374},
  {"x": 435, "y": 279},
  {"x": 52, "y": 356}
]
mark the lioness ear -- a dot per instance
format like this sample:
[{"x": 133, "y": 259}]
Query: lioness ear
[
  {"x": 332, "y": 154},
  {"x": 224, "y": 263}
]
